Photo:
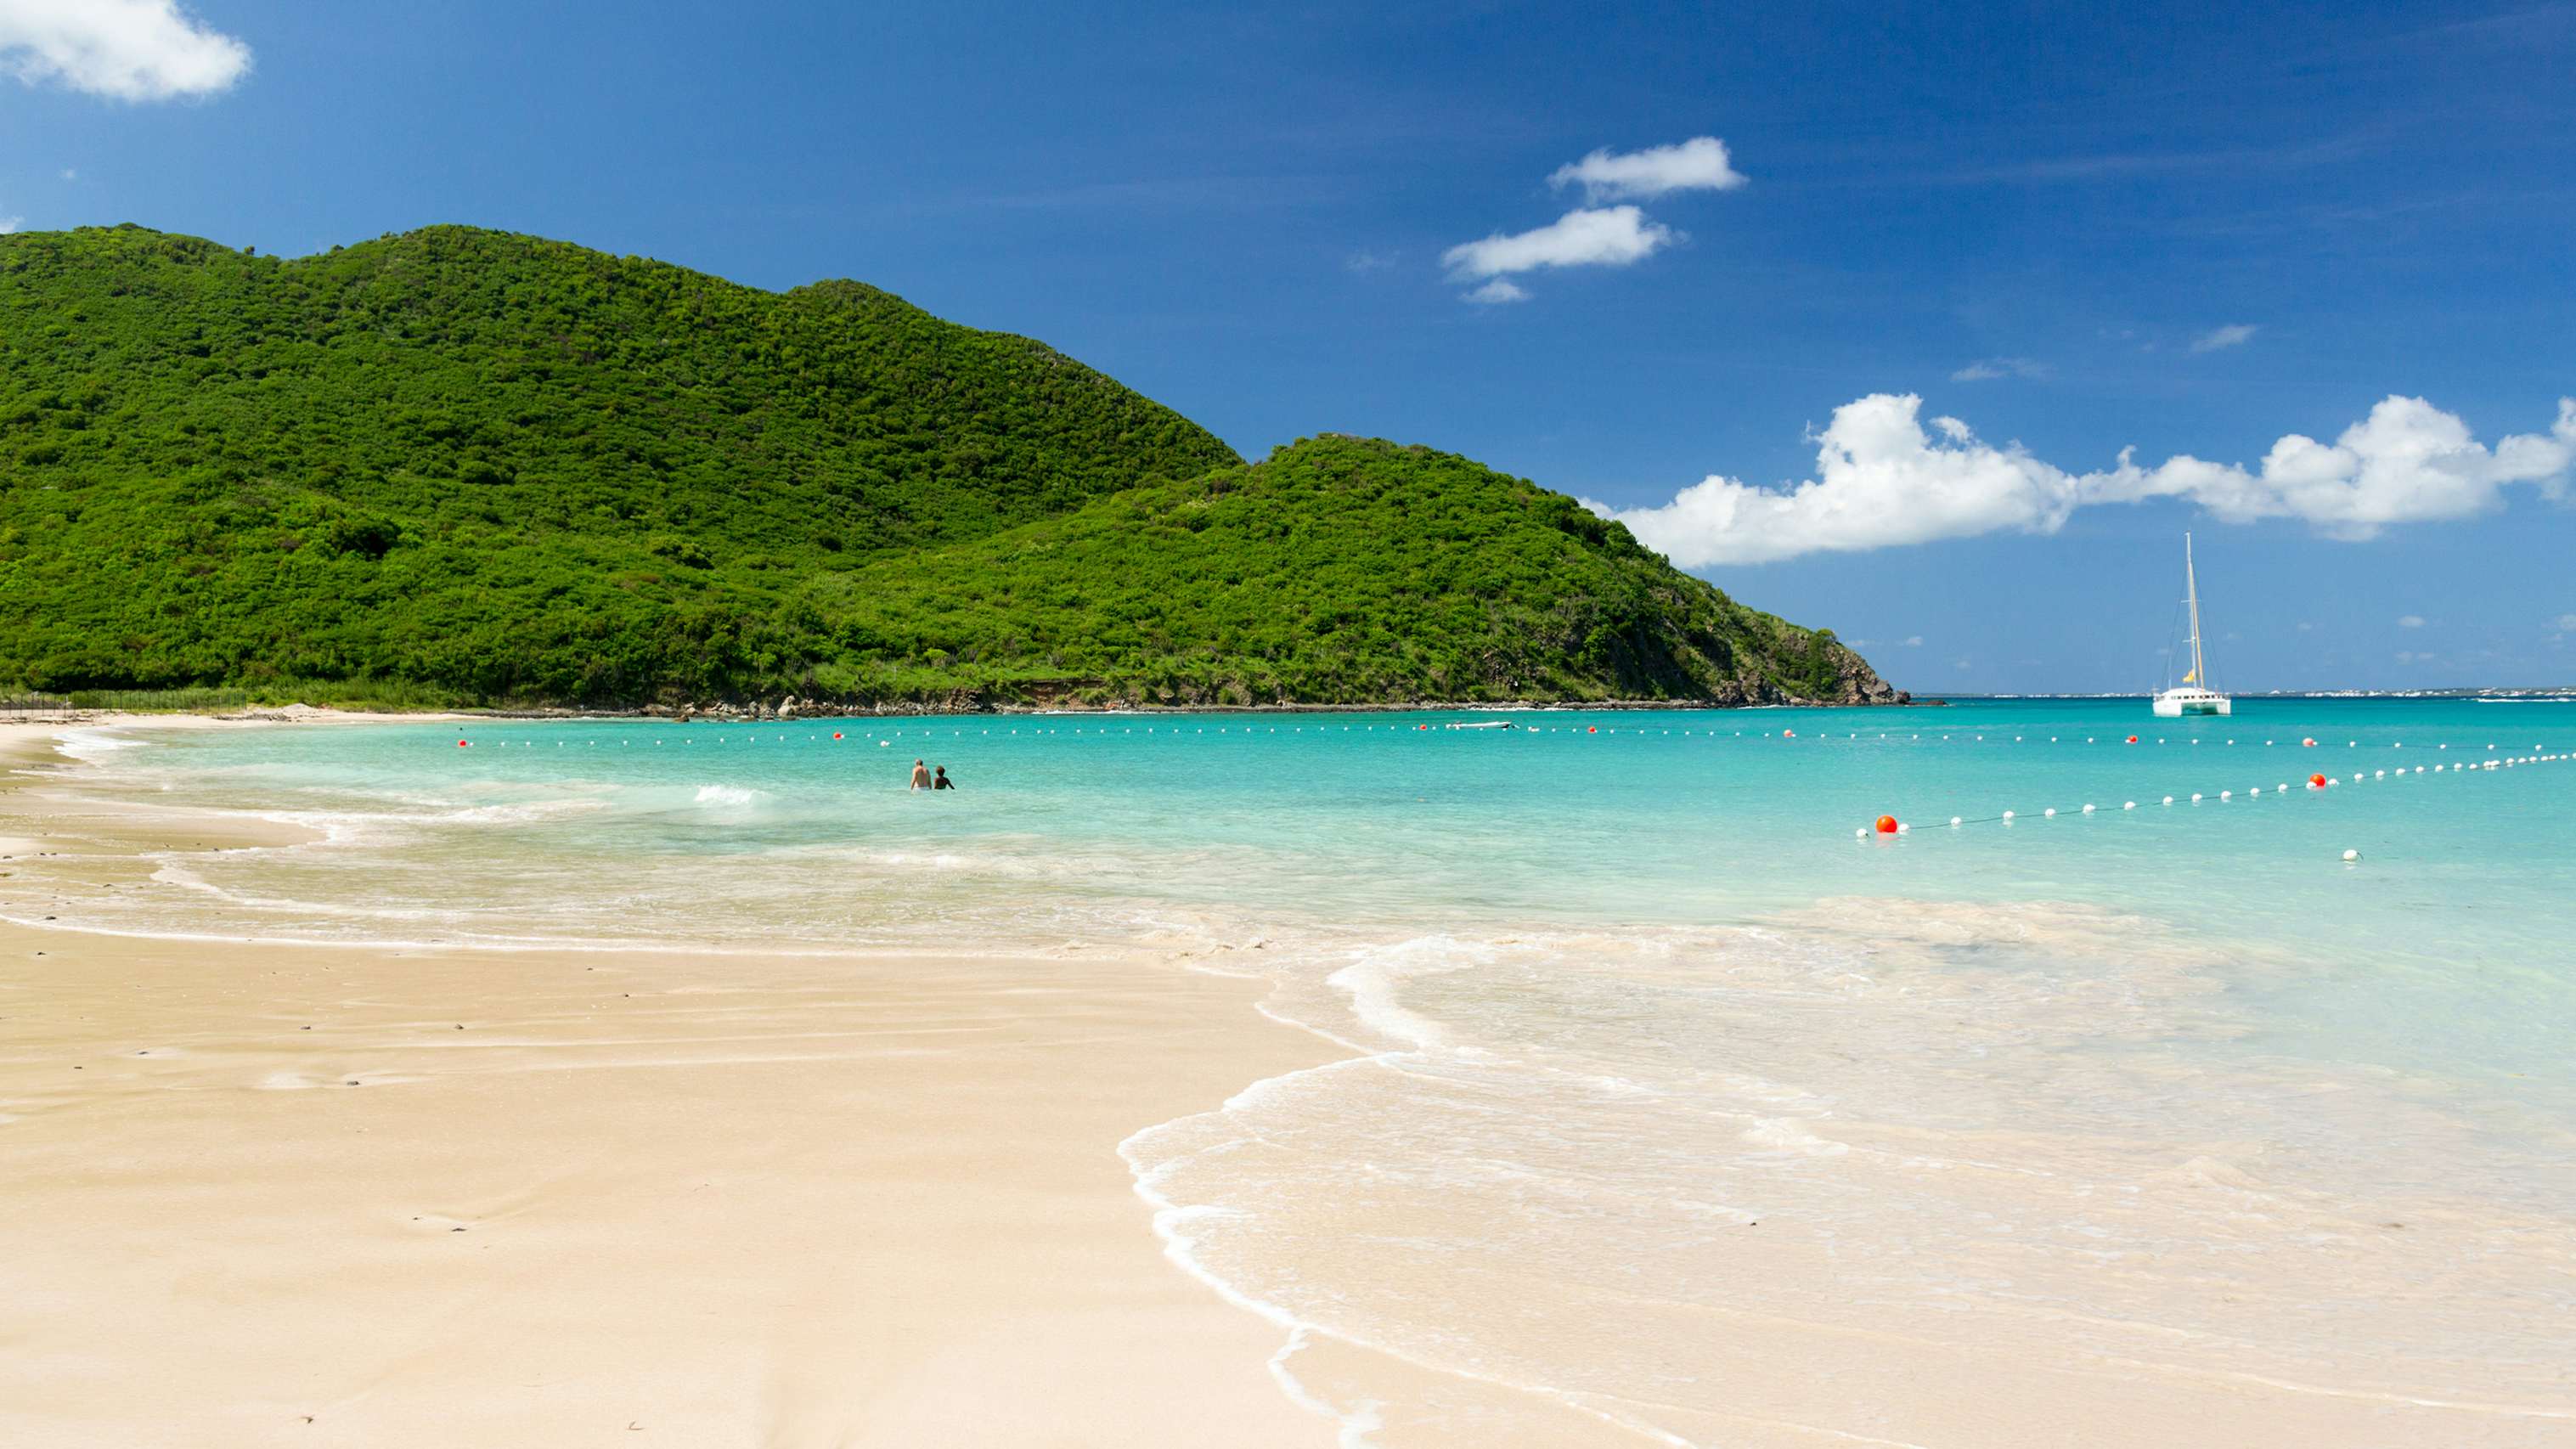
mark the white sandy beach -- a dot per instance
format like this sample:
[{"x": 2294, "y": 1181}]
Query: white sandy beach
[
  {"x": 317, "y": 1196},
  {"x": 371, "y": 1195}
]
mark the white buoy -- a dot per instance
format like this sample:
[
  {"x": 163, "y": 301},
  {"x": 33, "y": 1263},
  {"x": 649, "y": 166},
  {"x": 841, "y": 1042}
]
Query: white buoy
[
  {"x": 2129, "y": 805},
  {"x": 2088, "y": 809},
  {"x": 2195, "y": 799},
  {"x": 1902, "y": 828},
  {"x": 2008, "y": 815},
  {"x": 2051, "y": 811},
  {"x": 1861, "y": 833},
  {"x": 2226, "y": 794},
  {"x": 2169, "y": 799},
  {"x": 2351, "y": 855},
  {"x": 1954, "y": 819}
]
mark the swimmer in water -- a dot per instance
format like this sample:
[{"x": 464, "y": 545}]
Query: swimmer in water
[
  {"x": 940, "y": 780},
  {"x": 920, "y": 775}
]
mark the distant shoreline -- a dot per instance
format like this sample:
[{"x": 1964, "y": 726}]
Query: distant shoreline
[
  {"x": 739, "y": 714},
  {"x": 2540, "y": 693},
  {"x": 736, "y": 714}
]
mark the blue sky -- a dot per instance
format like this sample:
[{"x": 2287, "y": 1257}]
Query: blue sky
[{"x": 2183, "y": 230}]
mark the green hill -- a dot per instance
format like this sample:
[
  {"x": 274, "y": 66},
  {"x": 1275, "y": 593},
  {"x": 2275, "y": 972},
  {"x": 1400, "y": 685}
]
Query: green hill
[
  {"x": 490, "y": 468},
  {"x": 1340, "y": 570}
]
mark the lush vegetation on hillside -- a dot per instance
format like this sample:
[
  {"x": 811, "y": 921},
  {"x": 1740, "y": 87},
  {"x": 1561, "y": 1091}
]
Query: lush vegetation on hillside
[
  {"x": 1340, "y": 570},
  {"x": 509, "y": 470}
]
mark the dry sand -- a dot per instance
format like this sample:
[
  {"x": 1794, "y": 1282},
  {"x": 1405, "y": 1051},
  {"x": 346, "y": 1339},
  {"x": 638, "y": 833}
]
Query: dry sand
[{"x": 314, "y": 1196}]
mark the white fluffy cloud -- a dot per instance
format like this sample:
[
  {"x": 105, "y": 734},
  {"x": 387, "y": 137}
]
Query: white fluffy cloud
[
  {"x": 1698, "y": 164},
  {"x": 1593, "y": 235},
  {"x": 10, "y": 224},
  {"x": 2234, "y": 334},
  {"x": 1611, "y": 236},
  {"x": 127, "y": 50},
  {"x": 1882, "y": 480},
  {"x": 2408, "y": 462},
  {"x": 2411, "y": 621}
]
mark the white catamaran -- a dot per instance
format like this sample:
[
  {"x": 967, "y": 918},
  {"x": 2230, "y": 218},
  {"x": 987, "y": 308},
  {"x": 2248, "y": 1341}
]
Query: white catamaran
[{"x": 2193, "y": 695}]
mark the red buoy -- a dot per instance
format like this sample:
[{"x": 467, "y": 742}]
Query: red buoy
[
  {"x": 2316, "y": 782},
  {"x": 2133, "y": 739},
  {"x": 1788, "y": 734},
  {"x": 2307, "y": 744},
  {"x": 1594, "y": 730},
  {"x": 460, "y": 744},
  {"x": 1887, "y": 825},
  {"x": 836, "y": 734}
]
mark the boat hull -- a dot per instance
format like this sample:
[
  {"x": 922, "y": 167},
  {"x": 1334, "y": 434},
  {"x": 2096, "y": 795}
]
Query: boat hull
[{"x": 2175, "y": 703}]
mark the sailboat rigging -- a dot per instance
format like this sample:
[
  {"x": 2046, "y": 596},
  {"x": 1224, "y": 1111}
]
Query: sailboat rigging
[{"x": 2193, "y": 695}]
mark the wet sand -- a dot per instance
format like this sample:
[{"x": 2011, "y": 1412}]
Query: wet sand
[{"x": 262, "y": 1194}]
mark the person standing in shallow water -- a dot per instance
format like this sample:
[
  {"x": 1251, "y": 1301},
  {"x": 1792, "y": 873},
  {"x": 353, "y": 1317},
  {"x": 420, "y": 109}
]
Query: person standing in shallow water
[
  {"x": 920, "y": 775},
  {"x": 940, "y": 781}
]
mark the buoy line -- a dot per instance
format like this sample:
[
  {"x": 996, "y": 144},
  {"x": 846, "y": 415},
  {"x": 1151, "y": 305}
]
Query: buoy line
[
  {"x": 2317, "y": 783},
  {"x": 1453, "y": 730}
]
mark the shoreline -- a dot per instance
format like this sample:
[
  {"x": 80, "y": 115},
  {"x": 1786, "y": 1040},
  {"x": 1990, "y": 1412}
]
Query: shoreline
[
  {"x": 379, "y": 1196},
  {"x": 737, "y": 714}
]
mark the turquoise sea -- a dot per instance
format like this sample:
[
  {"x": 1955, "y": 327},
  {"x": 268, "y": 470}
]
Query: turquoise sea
[{"x": 1657, "y": 1068}]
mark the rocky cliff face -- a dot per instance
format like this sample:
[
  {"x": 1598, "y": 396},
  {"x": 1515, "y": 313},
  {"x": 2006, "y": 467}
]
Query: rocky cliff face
[{"x": 1856, "y": 683}]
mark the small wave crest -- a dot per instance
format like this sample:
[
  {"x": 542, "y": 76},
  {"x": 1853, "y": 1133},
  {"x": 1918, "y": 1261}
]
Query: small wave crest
[
  {"x": 92, "y": 746},
  {"x": 1375, "y": 985}
]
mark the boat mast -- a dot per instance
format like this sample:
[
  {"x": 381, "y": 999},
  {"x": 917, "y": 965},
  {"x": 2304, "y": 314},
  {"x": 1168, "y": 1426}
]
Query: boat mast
[{"x": 2191, "y": 592}]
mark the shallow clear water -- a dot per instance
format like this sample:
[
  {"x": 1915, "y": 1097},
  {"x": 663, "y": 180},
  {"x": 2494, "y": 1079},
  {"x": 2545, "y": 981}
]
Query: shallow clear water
[{"x": 2141, "y": 1093}]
